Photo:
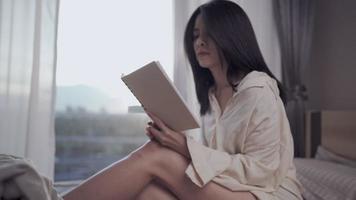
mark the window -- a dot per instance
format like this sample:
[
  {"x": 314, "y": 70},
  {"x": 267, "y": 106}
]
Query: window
[{"x": 97, "y": 118}]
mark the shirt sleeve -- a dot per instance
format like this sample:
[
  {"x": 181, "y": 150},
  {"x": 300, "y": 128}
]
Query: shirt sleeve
[
  {"x": 258, "y": 164},
  {"x": 197, "y": 134}
]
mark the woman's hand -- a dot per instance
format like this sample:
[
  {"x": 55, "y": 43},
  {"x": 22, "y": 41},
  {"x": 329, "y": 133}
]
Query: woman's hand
[{"x": 167, "y": 137}]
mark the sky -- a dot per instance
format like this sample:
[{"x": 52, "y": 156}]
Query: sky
[{"x": 98, "y": 40}]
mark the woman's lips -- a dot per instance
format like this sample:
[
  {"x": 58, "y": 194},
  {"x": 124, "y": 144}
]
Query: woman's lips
[{"x": 203, "y": 53}]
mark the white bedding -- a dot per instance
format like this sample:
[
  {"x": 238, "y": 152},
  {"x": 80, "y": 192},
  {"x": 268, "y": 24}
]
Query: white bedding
[{"x": 323, "y": 180}]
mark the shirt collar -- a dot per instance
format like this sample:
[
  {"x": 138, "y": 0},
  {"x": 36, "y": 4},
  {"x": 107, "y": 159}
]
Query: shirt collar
[
  {"x": 254, "y": 79},
  {"x": 257, "y": 79}
]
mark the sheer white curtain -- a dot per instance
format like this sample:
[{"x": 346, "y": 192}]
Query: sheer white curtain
[
  {"x": 182, "y": 73},
  {"x": 28, "y": 31},
  {"x": 261, "y": 16}
]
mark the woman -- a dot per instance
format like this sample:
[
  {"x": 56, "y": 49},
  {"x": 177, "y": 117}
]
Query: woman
[{"x": 247, "y": 148}]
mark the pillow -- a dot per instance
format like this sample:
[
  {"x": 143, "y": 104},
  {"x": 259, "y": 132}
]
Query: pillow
[{"x": 326, "y": 155}]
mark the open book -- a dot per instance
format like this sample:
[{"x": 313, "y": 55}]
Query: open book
[{"x": 157, "y": 94}]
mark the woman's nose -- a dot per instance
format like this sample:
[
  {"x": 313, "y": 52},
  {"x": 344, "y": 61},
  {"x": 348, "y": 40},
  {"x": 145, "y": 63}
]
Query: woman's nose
[{"x": 200, "y": 42}]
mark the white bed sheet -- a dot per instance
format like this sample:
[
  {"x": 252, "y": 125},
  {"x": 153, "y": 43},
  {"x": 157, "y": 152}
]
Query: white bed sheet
[{"x": 324, "y": 180}]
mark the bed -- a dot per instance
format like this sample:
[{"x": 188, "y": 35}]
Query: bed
[{"x": 329, "y": 170}]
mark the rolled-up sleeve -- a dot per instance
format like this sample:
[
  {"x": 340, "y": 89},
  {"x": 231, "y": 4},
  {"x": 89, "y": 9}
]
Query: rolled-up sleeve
[{"x": 258, "y": 166}]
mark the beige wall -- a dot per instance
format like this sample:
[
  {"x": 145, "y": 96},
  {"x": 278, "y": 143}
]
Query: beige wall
[{"x": 331, "y": 78}]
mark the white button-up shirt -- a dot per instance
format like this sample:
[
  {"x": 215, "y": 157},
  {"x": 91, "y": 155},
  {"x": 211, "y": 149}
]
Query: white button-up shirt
[{"x": 248, "y": 146}]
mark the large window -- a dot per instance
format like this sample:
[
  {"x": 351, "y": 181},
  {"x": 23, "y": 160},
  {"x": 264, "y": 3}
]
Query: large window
[{"x": 98, "y": 121}]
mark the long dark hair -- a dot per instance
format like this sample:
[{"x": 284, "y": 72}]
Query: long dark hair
[{"x": 231, "y": 30}]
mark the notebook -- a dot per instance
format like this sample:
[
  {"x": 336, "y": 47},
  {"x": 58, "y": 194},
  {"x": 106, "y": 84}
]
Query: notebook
[{"x": 157, "y": 94}]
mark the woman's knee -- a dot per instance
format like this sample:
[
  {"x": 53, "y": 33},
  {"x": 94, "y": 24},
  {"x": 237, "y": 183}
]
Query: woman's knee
[
  {"x": 146, "y": 150},
  {"x": 148, "y": 154},
  {"x": 170, "y": 159},
  {"x": 155, "y": 191},
  {"x": 158, "y": 157}
]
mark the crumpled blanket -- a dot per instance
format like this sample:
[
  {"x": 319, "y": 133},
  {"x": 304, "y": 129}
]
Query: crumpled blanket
[{"x": 19, "y": 180}]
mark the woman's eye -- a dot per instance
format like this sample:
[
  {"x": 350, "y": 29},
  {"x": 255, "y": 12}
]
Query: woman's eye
[{"x": 195, "y": 37}]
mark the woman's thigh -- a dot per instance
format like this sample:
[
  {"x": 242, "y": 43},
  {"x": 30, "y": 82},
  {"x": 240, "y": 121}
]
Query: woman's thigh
[
  {"x": 169, "y": 170},
  {"x": 154, "y": 191}
]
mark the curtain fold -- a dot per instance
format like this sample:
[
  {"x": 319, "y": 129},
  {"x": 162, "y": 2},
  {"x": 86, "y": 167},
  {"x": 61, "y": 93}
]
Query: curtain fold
[
  {"x": 28, "y": 35},
  {"x": 294, "y": 21},
  {"x": 182, "y": 73}
]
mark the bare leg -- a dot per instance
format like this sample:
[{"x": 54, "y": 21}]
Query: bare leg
[
  {"x": 122, "y": 180},
  {"x": 170, "y": 171},
  {"x": 154, "y": 191},
  {"x": 128, "y": 178}
]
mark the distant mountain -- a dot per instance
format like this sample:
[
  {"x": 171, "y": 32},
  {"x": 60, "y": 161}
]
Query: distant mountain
[{"x": 83, "y": 96}]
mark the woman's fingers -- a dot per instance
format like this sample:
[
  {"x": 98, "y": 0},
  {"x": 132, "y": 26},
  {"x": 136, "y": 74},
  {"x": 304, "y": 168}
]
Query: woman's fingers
[
  {"x": 156, "y": 134},
  {"x": 158, "y": 121},
  {"x": 148, "y": 132},
  {"x": 153, "y": 125}
]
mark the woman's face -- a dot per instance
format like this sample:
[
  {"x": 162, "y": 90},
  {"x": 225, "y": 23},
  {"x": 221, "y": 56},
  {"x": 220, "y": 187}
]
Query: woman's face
[{"x": 205, "y": 48}]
